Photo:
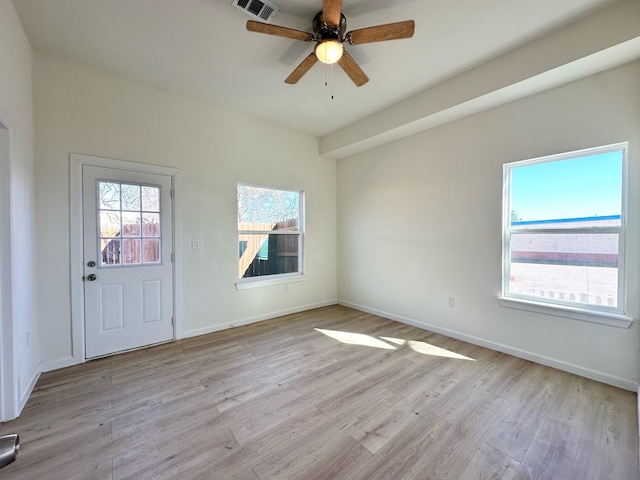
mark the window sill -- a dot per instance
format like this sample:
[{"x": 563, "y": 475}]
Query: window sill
[
  {"x": 267, "y": 282},
  {"x": 592, "y": 316}
]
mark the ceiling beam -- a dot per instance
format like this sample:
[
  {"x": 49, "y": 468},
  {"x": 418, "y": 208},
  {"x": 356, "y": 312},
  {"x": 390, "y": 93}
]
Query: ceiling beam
[{"x": 604, "y": 40}]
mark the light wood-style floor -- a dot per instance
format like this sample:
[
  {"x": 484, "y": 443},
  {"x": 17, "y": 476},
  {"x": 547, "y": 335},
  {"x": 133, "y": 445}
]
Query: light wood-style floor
[{"x": 331, "y": 393}]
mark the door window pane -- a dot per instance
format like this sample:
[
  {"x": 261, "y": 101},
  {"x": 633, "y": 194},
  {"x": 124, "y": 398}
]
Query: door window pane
[
  {"x": 151, "y": 250},
  {"x": 150, "y": 199},
  {"x": 130, "y": 197},
  {"x": 150, "y": 224},
  {"x": 108, "y": 196},
  {"x": 130, "y": 251},
  {"x": 110, "y": 251},
  {"x": 131, "y": 224},
  {"x": 109, "y": 223}
]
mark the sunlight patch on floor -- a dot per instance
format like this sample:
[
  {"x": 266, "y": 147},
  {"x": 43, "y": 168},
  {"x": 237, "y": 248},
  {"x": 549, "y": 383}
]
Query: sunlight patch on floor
[
  {"x": 428, "y": 349},
  {"x": 356, "y": 339},
  {"x": 388, "y": 343}
]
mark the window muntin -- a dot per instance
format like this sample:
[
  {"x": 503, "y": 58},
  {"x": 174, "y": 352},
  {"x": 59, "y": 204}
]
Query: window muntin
[
  {"x": 269, "y": 231},
  {"x": 128, "y": 224},
  {"x": 564, "y": 229}
]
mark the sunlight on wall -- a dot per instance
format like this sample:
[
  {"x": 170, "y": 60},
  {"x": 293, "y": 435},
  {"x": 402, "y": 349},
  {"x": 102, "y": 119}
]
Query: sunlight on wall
[{"x": 386, "y": 343}]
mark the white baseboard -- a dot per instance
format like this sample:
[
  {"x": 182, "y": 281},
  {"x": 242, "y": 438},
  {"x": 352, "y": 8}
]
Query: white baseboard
[
  {"x": 259, "y": 318},
  {"x": 624, "y": 383},
  {"x": 27, "y": 393},
  {"x": 57, "y": 364}
]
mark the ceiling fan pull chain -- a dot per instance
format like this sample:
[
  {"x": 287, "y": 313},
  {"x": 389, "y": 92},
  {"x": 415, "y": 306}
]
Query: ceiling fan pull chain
[
  {"x": 332, "y": 82},
  {"x": 328, "y": 82}
]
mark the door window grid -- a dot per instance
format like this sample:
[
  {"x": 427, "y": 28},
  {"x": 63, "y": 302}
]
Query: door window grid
[{"x": 128, "y": 224}]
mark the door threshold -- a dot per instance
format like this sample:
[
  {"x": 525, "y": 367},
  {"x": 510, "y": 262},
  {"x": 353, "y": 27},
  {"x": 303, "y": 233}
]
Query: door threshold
[{"x": 130, "y": 350}]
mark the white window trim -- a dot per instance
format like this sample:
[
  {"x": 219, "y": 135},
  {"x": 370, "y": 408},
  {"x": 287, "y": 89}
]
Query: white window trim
[
  {"x": 589, "y": 313},
  {"x": 270, "y": 280},
  {"x": 566, "y": 311},
  {"x": 282, "y": 278}
]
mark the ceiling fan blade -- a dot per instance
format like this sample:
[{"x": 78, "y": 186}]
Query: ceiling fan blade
[
  {"x": 260, "y": 27},
  {"x": 331, "y": 10},
  {"x": 380, "y": 33},
  {"x": 352, "y": 69},
  {"x": 301, "y": 69}
]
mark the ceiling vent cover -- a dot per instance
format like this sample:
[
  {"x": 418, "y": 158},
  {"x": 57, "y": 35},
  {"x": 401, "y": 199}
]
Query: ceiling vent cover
[{"x": 258, "y": 9}]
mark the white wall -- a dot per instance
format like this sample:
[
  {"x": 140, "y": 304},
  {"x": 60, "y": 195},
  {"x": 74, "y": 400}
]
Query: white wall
[
  {"x": 18, "y": 313},
  {"x": 80, "y": 110},
  {"x": 420, "y": 220}
]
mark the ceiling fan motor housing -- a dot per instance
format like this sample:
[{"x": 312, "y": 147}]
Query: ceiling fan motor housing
[{"x": 324, "y": 32}]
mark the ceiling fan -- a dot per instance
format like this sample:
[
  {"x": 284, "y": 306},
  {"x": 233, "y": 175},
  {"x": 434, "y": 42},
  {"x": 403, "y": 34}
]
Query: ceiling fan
[{"x": 329, "y": 27}]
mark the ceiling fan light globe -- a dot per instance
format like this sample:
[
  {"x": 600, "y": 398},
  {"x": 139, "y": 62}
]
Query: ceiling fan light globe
[{"x": 329, "y": 51}]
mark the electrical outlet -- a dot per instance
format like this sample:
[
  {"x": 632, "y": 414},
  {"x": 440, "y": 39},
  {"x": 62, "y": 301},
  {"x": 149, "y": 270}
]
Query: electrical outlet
[
  {"x": 195, "y": 243},
  {"x": 451, "y": 302}
]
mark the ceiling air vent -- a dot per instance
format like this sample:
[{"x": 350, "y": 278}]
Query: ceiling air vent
[{"x": 258, "y": 9}]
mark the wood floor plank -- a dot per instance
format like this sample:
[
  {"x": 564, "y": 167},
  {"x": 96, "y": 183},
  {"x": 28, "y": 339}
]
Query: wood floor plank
[
  {"x": 470, "y": 419},
  {"x": 172, "y": 451},
  {"x": 330, "y": 393},
  {"x": 72, "y": 454},
  {"x": 574, "y": 406},
  {"x": 410, "y": 454},
  {"x": 325, "y": 454},
  {"x": 553, "y": 452},
  {"x": 608, "y": 432},
  {"x": 230, "y": 388},
  {"x": 260, "y": 413},
  {"x": 514, "y": 432},
  {"x": 489, "y": 464},
  {"x": 282, "y": 439},
  {"x": 384, "y": 427}
]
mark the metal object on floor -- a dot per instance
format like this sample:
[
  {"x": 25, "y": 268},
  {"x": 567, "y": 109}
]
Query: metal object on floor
[{"x": 9, "y": 447}]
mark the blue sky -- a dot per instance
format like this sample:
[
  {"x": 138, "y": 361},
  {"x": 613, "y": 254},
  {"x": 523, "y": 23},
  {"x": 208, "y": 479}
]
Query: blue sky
[{"x": 578, "y": 187}]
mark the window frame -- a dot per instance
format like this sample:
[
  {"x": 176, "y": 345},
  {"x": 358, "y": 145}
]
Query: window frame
[
  {"x": 603, "y": 314},
  {"x": 277, "y": 278}
]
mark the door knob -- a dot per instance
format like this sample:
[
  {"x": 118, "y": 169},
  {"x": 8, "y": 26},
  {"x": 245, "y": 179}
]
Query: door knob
[{"x": 91, "y": 277}]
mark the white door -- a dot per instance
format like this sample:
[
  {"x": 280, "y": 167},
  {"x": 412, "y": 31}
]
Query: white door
[{"x": 128, "y": 274}]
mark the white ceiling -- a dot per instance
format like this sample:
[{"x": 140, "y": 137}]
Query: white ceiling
[{"x": 201, "y": 48}]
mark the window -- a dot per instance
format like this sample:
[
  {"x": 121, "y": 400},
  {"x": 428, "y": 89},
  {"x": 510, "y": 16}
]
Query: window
[
  {"x": 269, "y": 231},
  {"x": 564, "y": 231}
]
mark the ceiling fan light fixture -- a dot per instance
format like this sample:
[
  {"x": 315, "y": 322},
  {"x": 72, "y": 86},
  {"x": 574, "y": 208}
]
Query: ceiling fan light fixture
[{"x": 329, "y": 51}]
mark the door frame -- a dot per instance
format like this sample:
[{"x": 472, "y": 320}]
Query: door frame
[
  {"x": 76, "y": 163},
  {"x": 9, "y": 392}
]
